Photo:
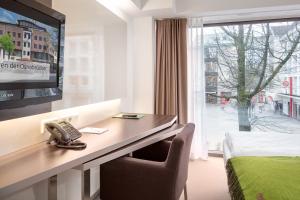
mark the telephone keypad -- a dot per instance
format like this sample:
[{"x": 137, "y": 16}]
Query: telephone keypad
[{"x": 73, "y": 132}]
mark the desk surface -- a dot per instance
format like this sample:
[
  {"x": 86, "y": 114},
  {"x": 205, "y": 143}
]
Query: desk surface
[{"x": 38, "y": 162}]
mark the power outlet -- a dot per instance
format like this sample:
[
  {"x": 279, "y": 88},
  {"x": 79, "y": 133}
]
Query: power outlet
[{"x": 71, "y": 118}]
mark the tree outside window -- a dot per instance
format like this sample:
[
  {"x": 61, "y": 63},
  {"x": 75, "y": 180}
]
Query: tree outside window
[{"x": 253, "y": 67}]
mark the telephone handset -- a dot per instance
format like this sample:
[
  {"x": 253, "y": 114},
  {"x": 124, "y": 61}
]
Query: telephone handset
[{"x": 64, "y": 135}]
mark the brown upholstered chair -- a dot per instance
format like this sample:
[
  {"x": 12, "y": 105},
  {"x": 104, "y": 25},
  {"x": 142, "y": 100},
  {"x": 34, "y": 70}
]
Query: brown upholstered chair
[{"x": 157, "y": 172}]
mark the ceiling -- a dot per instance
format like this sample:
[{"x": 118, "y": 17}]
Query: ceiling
[
  {"x": 90, "y": 12},
  {"x": 199, "y": 7}
]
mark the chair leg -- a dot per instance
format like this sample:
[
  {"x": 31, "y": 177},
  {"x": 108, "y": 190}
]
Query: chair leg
[{"x": 185, "y": 193}]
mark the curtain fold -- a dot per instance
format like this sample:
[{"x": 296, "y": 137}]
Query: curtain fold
[
  {"x": 171, "y": 68},
  {"x": 196, "y": 87}
]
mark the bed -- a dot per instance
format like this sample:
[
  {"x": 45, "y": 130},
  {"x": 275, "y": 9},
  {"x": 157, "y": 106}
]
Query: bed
[{"x": 263, "y": 166}]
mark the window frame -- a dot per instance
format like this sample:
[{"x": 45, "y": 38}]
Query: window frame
[{"x": 255, "y": 21}]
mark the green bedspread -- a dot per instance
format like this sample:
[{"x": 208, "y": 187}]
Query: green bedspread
[{"x": 264, "y": 178}]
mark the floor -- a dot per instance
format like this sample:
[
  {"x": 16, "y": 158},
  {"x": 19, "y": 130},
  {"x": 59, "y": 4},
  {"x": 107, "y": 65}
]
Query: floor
[{"x": 207, "y": 180}]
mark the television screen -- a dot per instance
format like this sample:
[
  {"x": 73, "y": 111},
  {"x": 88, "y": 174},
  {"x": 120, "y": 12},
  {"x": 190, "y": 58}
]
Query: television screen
[
  {"x": 29, "y": 48},
  {"x": 31, "y": 53}
]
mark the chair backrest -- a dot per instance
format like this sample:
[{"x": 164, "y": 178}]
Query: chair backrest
[{"x": 178, "y": 157}]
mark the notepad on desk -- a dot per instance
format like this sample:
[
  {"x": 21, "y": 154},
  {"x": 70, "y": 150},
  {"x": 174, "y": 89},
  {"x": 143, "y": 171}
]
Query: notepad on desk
[
  {"x": 129, "y": 116},
  {"x": 92, "y": 130}
]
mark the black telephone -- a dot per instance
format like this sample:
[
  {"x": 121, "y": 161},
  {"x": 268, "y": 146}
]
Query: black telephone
[{"x": 64, "y": 135}]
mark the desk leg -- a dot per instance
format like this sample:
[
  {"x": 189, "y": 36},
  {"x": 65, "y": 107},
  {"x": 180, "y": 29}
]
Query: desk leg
[
  {"x": 52, "y": 188},
  {"x": 85, "y": 185}
]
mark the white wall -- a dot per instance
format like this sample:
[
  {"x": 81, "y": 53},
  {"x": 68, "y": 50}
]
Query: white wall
[
  {"x": 143, "y": 65},
  {"x": 95, "y": 54},
  {"x": 115, "y": 45},
  {"x": 140, "y": 58}
]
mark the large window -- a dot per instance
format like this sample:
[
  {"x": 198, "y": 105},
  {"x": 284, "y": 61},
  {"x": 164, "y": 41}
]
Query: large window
[{"x": 252, "y": 78}]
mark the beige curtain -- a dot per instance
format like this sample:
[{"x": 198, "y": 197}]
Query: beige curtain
[{"x": 171, "y": 68}]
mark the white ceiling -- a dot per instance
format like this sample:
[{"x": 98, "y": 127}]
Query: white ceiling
[
  {"x": 142, "y": 7},
  {"x": 90, "y": 12},
  {"x": 200, "y": 7}
]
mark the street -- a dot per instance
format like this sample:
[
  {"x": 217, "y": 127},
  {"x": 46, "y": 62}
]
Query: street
[{"x": 221, "y": 119}]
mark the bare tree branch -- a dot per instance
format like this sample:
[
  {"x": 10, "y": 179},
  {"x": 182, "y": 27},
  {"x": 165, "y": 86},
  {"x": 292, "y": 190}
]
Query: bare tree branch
[
  {"x": 264, "y": 62},
  {"x": 224, "y": 96},
  {"x": 281, "y": 64},
  {"x": 231, "y": 34},
  {"x": 248, "y": 34}
]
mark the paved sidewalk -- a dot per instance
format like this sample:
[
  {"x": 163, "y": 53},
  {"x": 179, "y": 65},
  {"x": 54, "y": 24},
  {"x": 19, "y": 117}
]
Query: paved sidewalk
[{"x": 219, "y": 120}]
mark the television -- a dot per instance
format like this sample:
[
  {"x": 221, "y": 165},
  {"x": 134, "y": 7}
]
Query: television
[{"x": 31, "y": 53}]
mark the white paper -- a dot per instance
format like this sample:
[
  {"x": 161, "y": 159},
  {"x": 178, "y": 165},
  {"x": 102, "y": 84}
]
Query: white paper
[{"x": 93, "y": 130}]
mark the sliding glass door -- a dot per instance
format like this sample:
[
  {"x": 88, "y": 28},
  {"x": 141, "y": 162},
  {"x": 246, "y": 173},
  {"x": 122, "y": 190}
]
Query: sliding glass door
[{"x": 252, "y": 78}]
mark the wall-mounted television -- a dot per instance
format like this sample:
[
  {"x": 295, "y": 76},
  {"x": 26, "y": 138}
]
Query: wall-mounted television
[{"x": 31, "y": 53}]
